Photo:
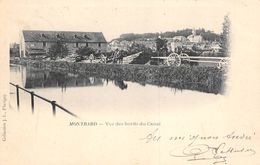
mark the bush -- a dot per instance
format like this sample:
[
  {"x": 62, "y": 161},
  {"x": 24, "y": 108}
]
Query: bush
[
  {"x": 143, "y": 58},
  {"x": 58, "y": 50},
  {"x": 85, "y": 51},
  {"x": 206, "y": 79}
]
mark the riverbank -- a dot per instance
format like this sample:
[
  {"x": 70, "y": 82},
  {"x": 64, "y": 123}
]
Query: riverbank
[{"x": 205, "y": 79}]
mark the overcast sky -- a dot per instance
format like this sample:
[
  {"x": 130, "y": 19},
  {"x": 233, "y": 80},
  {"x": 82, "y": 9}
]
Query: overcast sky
[{"x": 113, "y": 17}]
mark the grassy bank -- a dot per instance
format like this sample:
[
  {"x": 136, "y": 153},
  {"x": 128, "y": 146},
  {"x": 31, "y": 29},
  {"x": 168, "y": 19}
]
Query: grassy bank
[{"x": 206, "y": 79}]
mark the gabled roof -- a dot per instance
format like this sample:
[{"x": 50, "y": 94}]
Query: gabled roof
[{"x": 65, "y": 36}]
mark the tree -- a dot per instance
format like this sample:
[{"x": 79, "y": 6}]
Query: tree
[
  {"x": 225, "y": 36},
  {"x": 14, "y": 50},
  {"x": 85, "y": 51},
  {"x": 58, "y": 49},
  {"x": 161, "y": 46},
  {"x": 136, "y": 47},
  {"x": 207, "y": 34}
]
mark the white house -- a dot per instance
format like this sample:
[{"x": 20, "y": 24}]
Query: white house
[{"x": 195, "y": 38}]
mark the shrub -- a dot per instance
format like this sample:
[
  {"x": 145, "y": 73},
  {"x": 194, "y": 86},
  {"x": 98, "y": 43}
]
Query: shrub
[
  {"x": 85, "y": 51},
  {"x": 59, "y": 49}
]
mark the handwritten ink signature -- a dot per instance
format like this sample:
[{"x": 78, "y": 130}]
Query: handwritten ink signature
[
  {"x": 197, "y": 148},
  {"x": 219, "y": 154},
  {"x": 152, "y": 137}
]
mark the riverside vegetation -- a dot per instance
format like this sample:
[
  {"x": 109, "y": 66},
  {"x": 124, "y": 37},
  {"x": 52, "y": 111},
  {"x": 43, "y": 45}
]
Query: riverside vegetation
[{"x": 204, "y": 79}]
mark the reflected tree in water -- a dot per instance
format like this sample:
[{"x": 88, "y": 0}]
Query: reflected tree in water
[
  {"x": 209, "y": 82},
  {"x": 44, "y": 79},
  {"x": 121, "y": 84}
]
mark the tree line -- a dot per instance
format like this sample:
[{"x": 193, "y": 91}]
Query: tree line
[{"x": 206, "y": 34}]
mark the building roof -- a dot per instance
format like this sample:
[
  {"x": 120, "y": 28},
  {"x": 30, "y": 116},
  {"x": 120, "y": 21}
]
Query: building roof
[{"x": 65, "y": 36}]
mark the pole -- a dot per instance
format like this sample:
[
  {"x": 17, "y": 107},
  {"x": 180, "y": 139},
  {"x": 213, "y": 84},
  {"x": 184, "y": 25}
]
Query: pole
[
  {"x": 32, "y": 101},
  {"x": 17, "y": 96},
  {"x": 53, "y": 103}
]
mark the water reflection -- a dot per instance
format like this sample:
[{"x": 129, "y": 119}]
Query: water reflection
[
  {"x": 87, "y": 95},
  {"x": 121, "y": 84},
  {"x": 19, "y": 74},
  {"x": 37, "y": 78}
]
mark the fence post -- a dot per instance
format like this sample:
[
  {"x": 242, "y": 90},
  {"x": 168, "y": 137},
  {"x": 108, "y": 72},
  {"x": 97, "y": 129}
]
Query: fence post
[
  {"x": 32, "y": 101},
  {"x": 17, "y": 96},
  {"x": 53, "y": 103}
]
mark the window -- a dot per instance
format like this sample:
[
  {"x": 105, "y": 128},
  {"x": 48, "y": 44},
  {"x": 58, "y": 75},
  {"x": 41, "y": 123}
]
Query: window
[
  {"x": 77, "y": 44},
  {"x": 86, "y": 37},
  {"x": 99, "y": 44},
  {"x": 60, "y": 36},
  {"x": 86, "y": 44},
  {"x": 44, "y": 44}
]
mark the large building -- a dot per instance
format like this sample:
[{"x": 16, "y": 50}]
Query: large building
[{"x": 38, "y": 42}]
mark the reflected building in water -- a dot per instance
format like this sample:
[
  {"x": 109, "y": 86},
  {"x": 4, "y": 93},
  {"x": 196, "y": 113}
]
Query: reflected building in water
[
  {"x": 39, "y": 78},
  {"x": 36, "y": 78},
  {"x": 19, "y": 74},
  {"x": 43, "y": 79}
]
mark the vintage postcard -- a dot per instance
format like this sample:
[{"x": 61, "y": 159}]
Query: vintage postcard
[{"x": 129, "y": 82}]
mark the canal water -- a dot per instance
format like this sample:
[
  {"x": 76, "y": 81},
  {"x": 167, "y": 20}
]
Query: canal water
[{"x": 87, "y": 96}]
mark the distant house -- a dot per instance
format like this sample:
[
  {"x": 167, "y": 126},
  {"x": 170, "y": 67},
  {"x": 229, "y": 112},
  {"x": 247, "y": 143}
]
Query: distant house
[
  {"x": 216, "y": 46},
  {"x": 174, "y": 45},
  {"x": 148, "y": 43},
  {"x": 189, "y": 45},
  {"x": 180, "y": 39},
  {"x": 176, "y": 42},
  {"x": 195, "y": 38},
  {"x": 119, "y": 45},
  {"x": 126, "y": 45},
  {"x": 38, "y": 42}
]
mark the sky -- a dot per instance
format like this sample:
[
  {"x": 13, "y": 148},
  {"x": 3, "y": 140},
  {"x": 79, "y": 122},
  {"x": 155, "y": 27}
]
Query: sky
[{"x": 112, "y": 17}]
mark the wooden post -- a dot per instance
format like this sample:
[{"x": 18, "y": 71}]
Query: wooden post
[
  {"x": 32, "y": 101},
  {"x": 17, "y": 96},
  {"x": 53, "y": 103}
]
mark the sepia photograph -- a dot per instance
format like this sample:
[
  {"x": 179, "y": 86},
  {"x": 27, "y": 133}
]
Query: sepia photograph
[
  {"x": 71, "y": 70},
  {"x": 129, "y": 82}
]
